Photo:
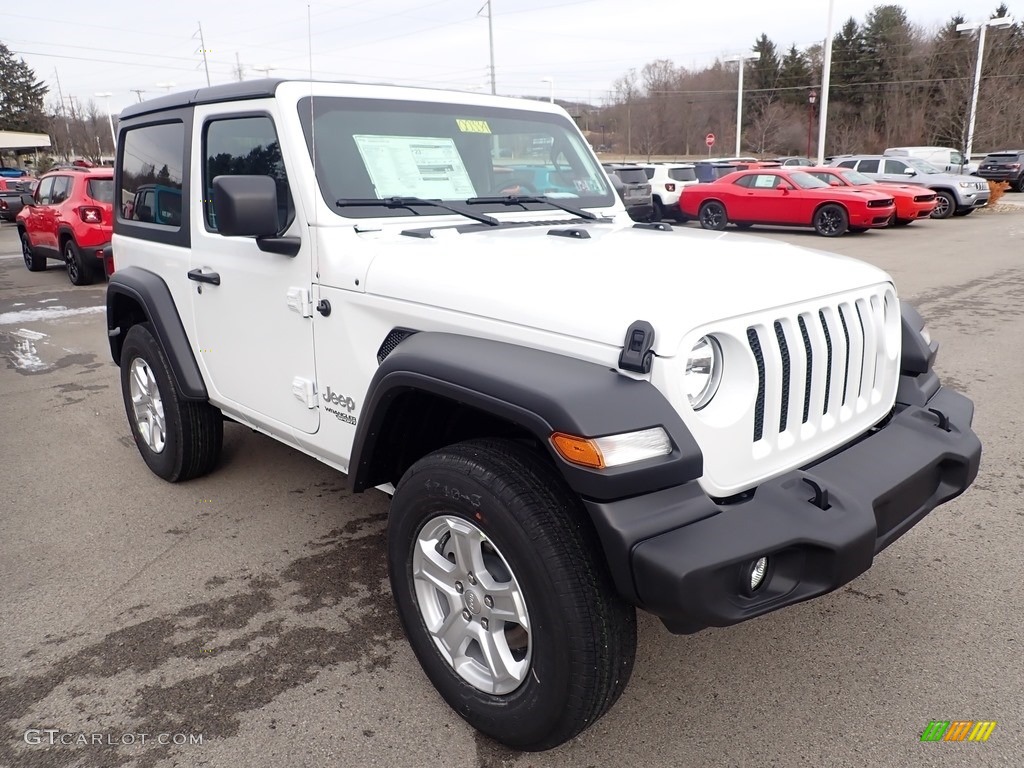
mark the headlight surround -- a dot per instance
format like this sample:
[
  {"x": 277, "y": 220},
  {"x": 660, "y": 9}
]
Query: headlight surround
[
  {"x": 703, "y": 372},
  {"x": 969, "y": 185}
]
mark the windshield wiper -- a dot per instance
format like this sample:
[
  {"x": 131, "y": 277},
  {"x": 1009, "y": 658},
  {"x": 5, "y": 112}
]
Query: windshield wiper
[
  {"x": 409, "y": 202},
  {"x": 520, "y": 199}
]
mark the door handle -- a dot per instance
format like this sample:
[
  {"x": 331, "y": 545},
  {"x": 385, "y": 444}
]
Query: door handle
[{"x": 204, "y": 277}]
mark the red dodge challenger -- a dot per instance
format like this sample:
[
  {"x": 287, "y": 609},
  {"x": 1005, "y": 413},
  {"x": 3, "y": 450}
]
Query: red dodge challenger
[
  {"x": 785, "y": 198},
  {"x": 912, "y": 202}
]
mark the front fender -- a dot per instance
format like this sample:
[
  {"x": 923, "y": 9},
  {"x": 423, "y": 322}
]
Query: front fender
[{"x": 540, "y": 392}]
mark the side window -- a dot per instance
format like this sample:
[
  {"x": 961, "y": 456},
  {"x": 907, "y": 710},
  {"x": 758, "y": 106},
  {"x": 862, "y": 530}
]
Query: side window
[
  {"x": 244, "y": 146},
  {"x": 848, "y": 164},
  {"x": 955, "y": 158},
  {"x": 868, "y": 166},
  {"x": 895, "y": 166},
  {"x": 61, "y": 189},
  {"x": 744, "y": 181},
  {"x": 151, "y": 174},
  {"x": 44, "y": 193},
  {"x": 766, "y": 181}
]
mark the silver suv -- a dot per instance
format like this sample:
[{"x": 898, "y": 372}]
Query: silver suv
[{"x": 959, "y": 195}]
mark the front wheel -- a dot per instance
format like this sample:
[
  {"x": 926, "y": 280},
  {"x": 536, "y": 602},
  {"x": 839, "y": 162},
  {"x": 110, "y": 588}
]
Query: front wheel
[
  {"x": 34, "y": 261},
  {"x": 503, "y": 593},
  {"x": 178, "y": 439},
  {"x": 712, "y": 216},
  {"x": 945, "y": 204},
  {"x": 831, "y": 220}
]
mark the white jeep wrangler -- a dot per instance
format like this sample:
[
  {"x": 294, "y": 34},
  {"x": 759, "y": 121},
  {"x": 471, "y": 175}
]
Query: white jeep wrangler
[{"x": 576, "y": 415}]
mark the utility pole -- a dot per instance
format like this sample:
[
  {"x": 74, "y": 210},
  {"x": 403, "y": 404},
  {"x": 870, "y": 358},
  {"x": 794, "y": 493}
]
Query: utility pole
[
  {"x": 490, "y": 38},
  {"x": 239, "y": 72},
  {"x": 202, "y": 47},
  {"x": 826, "y": 77},
  {"x": 981, "y": 26},
  {"x": 67, "y": 124},
  {"x": 138, "y": 92}
]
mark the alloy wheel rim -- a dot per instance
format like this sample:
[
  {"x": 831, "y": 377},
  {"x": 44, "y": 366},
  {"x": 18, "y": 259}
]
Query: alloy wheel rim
[
  {"x": 941, "y": 206},
  {"x": 828, "y": 222},
  {"x": 472, "y": 605},
  {"x": 712, "y": 216},
  {"x": 72, "y": 264},
  {"x": 26, "y": 251},
  {"x": 147, "y": 405}
]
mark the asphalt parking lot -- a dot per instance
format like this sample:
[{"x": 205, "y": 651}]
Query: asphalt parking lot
[{"x": 250, "y": 609}]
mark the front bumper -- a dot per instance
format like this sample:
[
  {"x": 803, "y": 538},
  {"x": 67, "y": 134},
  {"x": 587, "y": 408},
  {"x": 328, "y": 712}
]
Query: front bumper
[
  {"x": 972, "y": 200},
  {"x": 686, "y": 558}
]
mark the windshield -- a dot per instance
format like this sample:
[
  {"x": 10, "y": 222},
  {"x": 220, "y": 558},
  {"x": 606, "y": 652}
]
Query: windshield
[
  {"x": 921, "y": 165},
  {"x": 1000, "y": 159},
  {"x": 806, "y": 181},
  {"x": 682, "y": 174},
  {"x": 856, "y": 178},
  {"x": 376, "y": 149}
]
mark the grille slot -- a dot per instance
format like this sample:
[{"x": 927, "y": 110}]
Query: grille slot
[
  {"x": 755, "y": 347},
  {"x": 780, "y": 334},
  {"x": 391, "y": 341},
  {"x": 828, "y": 360}
]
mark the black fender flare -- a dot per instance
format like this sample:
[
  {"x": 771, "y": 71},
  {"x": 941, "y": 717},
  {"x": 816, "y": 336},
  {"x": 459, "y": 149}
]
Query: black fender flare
[
  {"x": 540, "y": 392},
  {"x": 149, "y": 291}
]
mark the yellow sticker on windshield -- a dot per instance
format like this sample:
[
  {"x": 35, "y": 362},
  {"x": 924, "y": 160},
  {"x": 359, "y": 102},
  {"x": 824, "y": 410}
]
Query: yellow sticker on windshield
[{"x": 473, "y": 126}]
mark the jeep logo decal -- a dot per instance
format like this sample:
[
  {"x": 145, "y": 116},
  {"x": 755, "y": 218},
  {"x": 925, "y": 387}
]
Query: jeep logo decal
[{"x": 346, "y": 402}]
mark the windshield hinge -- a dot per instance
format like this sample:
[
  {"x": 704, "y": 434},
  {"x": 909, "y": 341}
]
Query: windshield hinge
[{"x": 637, "y": 349}]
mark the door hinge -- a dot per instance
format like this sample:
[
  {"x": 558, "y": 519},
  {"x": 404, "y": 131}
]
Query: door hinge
[
  {"x": 305, "y": 391},
  {"x": 299, "y": 300}
]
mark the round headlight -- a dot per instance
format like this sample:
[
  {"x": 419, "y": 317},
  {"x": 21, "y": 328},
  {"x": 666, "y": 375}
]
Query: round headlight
[{"x": 703, "y": 372}]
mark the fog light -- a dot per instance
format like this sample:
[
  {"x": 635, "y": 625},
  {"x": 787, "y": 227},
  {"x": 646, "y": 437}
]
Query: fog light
[{"x": 757, "y": 572}]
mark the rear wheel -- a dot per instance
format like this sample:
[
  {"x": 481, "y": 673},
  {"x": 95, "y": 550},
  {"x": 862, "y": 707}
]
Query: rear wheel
[
  {"x": 179, "y": 439},
  {"x": 831, "y": 220},
  {"x": 712, "y": 216},
  {"x": 503, "y": 594},
  {"x": 658, "y": 212},
  {"x": 945, "y": 204},
  {"x": 34, "y": 261},
  {"x": 79, "y": 272}
]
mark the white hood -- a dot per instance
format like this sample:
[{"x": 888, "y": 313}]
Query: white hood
[{"x": 593, "y": 288}]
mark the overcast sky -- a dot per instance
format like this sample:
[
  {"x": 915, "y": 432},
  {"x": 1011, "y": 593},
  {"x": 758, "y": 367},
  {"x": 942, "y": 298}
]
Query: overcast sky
[{"x": 583, "y": 45}]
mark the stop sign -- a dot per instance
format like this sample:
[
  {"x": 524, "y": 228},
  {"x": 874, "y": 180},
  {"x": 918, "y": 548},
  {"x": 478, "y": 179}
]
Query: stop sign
[{"x": 710, "y": 139}]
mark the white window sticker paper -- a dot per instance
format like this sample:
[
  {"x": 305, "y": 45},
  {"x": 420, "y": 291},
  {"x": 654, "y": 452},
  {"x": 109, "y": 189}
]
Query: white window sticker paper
[{"x": 415, "y": 166}]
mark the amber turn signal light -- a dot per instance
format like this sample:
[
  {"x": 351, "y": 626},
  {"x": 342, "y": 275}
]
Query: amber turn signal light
[{"x": 578, "y": 450}]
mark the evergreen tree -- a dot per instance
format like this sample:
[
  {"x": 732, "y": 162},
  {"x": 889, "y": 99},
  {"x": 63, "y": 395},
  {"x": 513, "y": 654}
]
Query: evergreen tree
[
  {"x": 21, "y": 95},
  {"x": 795, "y": 77}
]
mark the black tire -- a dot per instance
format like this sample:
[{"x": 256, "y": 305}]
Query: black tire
[
  {"x": 657, "y": 210},
  {"x": 581, "y": 643},
  {"x": 945, "y": 205},
  {"x": 831, "y": 220},
  {"x": 712, "y": 216},
  {"x": 963, "y": 212},
  {"x": 1018, "y": 185},
  {"x": 192, "y": 431},
  {"x": 743, "y": 225},
  {"x": 79, "y": 273},
  {"x": 34, "y": 261}
]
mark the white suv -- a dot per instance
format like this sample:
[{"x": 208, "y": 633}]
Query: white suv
[
  {"x": 667, "y": 182},
  {"x": 575, "y": 415}
]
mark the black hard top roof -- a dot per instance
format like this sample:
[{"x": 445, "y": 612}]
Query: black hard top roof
[{"x": 247, "y": 89}]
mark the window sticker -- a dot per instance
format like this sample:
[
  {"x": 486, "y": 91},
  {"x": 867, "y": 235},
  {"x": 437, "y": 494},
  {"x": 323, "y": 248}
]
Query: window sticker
[
  {"x": 415, "y": 166},
  {"x": 472, "y": 126}
]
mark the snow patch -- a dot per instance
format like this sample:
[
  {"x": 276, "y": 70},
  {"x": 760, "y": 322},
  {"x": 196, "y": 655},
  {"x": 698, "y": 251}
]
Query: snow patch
[{"x": 46, "y": 313}]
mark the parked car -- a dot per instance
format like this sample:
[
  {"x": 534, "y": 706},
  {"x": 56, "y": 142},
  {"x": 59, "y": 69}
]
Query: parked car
[
  {"x": 955, "y": 194},
  {"x": 944, "y": 158},
  {"x": 12, "y": 190},
  {"x": 635, "y": 191},
  {"x": 793, "y": 160},
  {"x": 785, "y": 198},
  {"x": 1007, "y": 165},
  {"x": 70, "y": 219},
  {"x": 667, "y": 182},
  {"x": 912, "y": 203}
]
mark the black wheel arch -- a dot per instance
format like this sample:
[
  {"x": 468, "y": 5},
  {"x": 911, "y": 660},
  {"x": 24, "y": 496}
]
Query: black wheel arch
[
  {"x": 514, "y": 391},
  {"x": 136, "y": 295}
]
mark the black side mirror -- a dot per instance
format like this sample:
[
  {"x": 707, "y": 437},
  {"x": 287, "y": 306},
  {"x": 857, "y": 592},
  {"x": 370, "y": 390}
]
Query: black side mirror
[
  {"x": 27, "y": 199},
  {"x": 245, "y": 206}
]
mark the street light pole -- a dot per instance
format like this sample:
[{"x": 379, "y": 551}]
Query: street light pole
[
  {"x": 826, "y": 76},
  {"x": 811, "y": 98},
  {"x": 742, "y": 59},
  {"x": 970, "y": 26},
  {"x": 110, "y": 118},
  {"x": 551, "y": 88}
]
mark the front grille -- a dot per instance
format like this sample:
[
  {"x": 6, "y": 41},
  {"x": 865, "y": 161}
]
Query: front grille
[
  {"x": 818, "y": 367},
  {"x": 880, "y": 203}
]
